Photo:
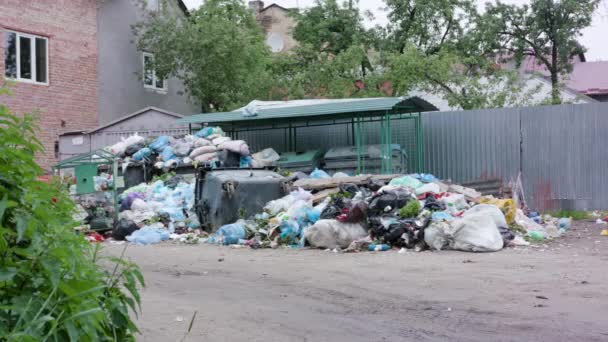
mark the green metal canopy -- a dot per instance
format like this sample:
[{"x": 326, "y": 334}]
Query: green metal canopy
[
  {"x": 98, "y": 157},
  {"x": 318, "y": 109}
]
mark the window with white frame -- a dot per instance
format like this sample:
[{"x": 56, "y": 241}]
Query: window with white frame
[
  {"x": 26, "y": 57},
  {"x": 150, "y": 79}
]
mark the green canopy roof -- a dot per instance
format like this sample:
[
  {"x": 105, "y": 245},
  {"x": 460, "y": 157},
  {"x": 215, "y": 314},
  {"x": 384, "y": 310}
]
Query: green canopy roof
[
  {"x": 95, "y": 157},
  {"x": 320, "y": 109}
]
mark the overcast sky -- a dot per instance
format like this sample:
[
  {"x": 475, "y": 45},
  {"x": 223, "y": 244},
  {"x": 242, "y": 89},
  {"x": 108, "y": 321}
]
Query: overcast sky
[{"x": 594, "y": 37}]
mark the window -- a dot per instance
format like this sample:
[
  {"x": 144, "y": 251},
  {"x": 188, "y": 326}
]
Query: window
[
  {"x": 26, "y": 57},
  {"x": 150, "y": 79}
]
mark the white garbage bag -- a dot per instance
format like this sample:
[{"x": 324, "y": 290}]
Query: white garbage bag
[
  {"x": 490, "y": 210},
  {"x": 202, "y": 150},
  {"x": 266, "y": 157},
  {"x": 475, "y": 233},
  {"x": 435, "y": 235},
  {"x": 333, "y": 233}
]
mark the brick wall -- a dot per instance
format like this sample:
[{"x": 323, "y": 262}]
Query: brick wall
[{"x": 69, "y": 102}]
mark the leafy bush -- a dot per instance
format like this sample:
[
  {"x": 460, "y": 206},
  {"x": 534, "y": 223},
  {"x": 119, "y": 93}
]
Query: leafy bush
[
  {"x": 575, "y": 214},
  {"x": 411, "y": 209},
  {"x": 52, "y": 286}
]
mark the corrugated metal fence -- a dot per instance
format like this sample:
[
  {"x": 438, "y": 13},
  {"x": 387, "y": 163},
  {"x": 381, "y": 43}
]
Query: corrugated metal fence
[{"x": 560, "y": 151}]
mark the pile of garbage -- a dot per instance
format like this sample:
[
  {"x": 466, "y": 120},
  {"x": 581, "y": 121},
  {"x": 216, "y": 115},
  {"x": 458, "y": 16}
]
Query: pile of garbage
[
  {"x": 209, "y": 146},
  {"x": 150, "y": 213},
  {"x": 415, "y": 211}
]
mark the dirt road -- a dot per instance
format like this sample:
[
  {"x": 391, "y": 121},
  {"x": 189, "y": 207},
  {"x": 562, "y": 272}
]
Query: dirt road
[{"x": 556, "y": 292}]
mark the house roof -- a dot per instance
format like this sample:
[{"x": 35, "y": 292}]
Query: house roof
[
  {"x": 318, "y": 109},
  {"x": 277, "y": 6},
  {"x": 132, "y": 115},
  {"x": 590, "y": 78}
]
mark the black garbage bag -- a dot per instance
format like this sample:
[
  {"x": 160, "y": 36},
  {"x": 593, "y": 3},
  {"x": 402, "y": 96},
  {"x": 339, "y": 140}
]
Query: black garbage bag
[
  {"x": 395, "y": 199},
  {"x": 356, "y": 213},
  {"x": 330, "y": 212},
  {"x": 403, "y": 233},
  {"x": 132, "y": 149},
  {"x": 431, "y": 203},
  {"x": 375, "y": 184},
  {"x": 349, "y": 188},
  {"x": 123, "y": 229}
]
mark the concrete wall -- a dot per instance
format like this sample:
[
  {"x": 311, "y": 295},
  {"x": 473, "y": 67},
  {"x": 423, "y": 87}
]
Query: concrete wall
[
  {"x": 121, "y": 89},
  {"x": 69, "y": 101}
]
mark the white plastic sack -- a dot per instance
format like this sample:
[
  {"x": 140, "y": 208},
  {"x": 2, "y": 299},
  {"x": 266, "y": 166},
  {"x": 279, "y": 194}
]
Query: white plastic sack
[
  {"x": 428, "y": 187},
  {"x": 236, "y": 146},
  {"x": 205, "y": 157},
  {"x": 266, "y": 157},
  {"x": 454, "y": 203},
  {"x": 284, "y": 203},
  {"x": 333, "y": 233},
  {"x": 198, "y": 142},
  {"x": 118, "y": 148},
  {"x": 202, "y": 150},
  {"x": 489, "y": 210},
  {"x": 139, "y": 205},
  {"x": 435, "y": 235},
  {"x": 475, "y": 233},
  {"x": 133, "y": 139},
  {"x": 182, "y": 148},
  {"x": 220, "y": 140}
]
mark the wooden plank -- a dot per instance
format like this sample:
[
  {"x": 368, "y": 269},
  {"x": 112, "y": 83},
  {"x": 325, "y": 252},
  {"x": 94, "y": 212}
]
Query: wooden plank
[
  {"x": 328, "y": 183},
  {"x": 321, "y": 195}
]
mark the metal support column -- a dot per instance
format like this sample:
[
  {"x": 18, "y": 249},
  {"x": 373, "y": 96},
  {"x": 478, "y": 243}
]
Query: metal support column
[{"x": 420, "y": 144}]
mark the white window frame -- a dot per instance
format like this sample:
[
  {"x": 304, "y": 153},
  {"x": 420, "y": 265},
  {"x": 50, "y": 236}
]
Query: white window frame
[
  {"x": 154, "y": 79},
  {"x": 32, "y": 38}
]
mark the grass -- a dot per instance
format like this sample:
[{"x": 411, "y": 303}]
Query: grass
[{"x": 575, "y": 214}]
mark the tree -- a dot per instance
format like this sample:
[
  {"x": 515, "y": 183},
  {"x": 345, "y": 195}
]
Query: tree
[
  {"x": 52, "y": 286},
  {"x": 218, "y": 51},
  {"x": 548, "y": 30},
  {"x": 439, "y": 47},
  {"x": 332, "y": 58}
]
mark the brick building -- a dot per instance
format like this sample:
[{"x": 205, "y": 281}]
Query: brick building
[
  {"x": 74, "y": 63},
  {"x": 50, "y": 49}
]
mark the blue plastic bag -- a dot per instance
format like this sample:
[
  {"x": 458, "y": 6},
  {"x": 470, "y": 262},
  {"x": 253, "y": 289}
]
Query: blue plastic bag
[
  {"x": 160, "y": 143},
  {"x": 313, "y": 215},
  {"x": 229, "y": 234},
  {"x": 141, "y": 154},
  {"x": 318, "y": 174},
  {"x": 168, "y": 154},
  {"x": 205, "y": 132},
  {"x": 441, "y": 215},
  {"x": 245, "y": 161},
  {"x": 290, "y": 229},
  {"x": 148, "y": 235}
]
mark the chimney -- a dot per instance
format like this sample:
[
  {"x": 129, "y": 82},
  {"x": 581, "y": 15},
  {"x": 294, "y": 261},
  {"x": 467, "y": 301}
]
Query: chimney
[{"x": 256, "y": 6}]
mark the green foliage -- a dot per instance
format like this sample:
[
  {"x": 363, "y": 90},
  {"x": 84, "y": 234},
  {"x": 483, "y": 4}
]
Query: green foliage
[
  {"x": 411, "y": 209},
  {"x": 219, "y": 52},
  {"x": 575, "y": 214},
  {"x": 51, "y": 286},
  {"x": 548, "y": 30}
]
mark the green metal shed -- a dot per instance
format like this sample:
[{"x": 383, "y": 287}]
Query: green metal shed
[{"x": 355, "y": 115}]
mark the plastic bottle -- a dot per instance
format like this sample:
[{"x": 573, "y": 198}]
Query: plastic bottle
[
  {"x": 536, "y": 236},
  {"x": 372, "y": 247}
]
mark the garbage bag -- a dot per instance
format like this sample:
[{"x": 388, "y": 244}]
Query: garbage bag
[
  {"x": 349, "y": 188},
  {"x": 330, "y": 213},
  {"x": 245, "y": 162},
  {"x": 123, "y": 229},
  {"x": 318, "y": 174},
  {"x": 267, "y": 157},
  {"x": 160, "y": 143},
  {"x": 490, "y": 211},
  {"x": 128, "y": 200},
  {"x": 475, "y": 233},
  {"x": 435, "y": 235},
  {"x": 406, "y": 181},
  {"x": 432, "y": 204},
  {"x": 140, "y": 205},
  {"x": 529, "y": 224},
  {"x": 133, "y": 140},
  {"x": 149, "y": 235},
  {"x": 117, "y": 149},
  {"x": 284, "y": 203},
  {"x": 390, "y": 200},
  {"x": 199, "y": 142},
  {"x": 506, "y": 205},
  {"x": 206, "y": 157},
  {"x": 429, "y": 187},
  {"x": 182, "y": 148},
  {"x": 332, "y": 234},
  {"x": 142, "y": 153},
  {"x": 454, "y": 203},
  {"x": 229, "y": 234},
  {"x": 202, "y": 150},
  {"x": 236, "y": 146},
  {"x": 354, "y": 214},
  {"x": 134, "y": 148},
  {"x": 167, "y": 154},
  {"x": 220, "y": 140},
  {"x": 207, "y": 131},
  {"x": 441, "y": 216}
]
